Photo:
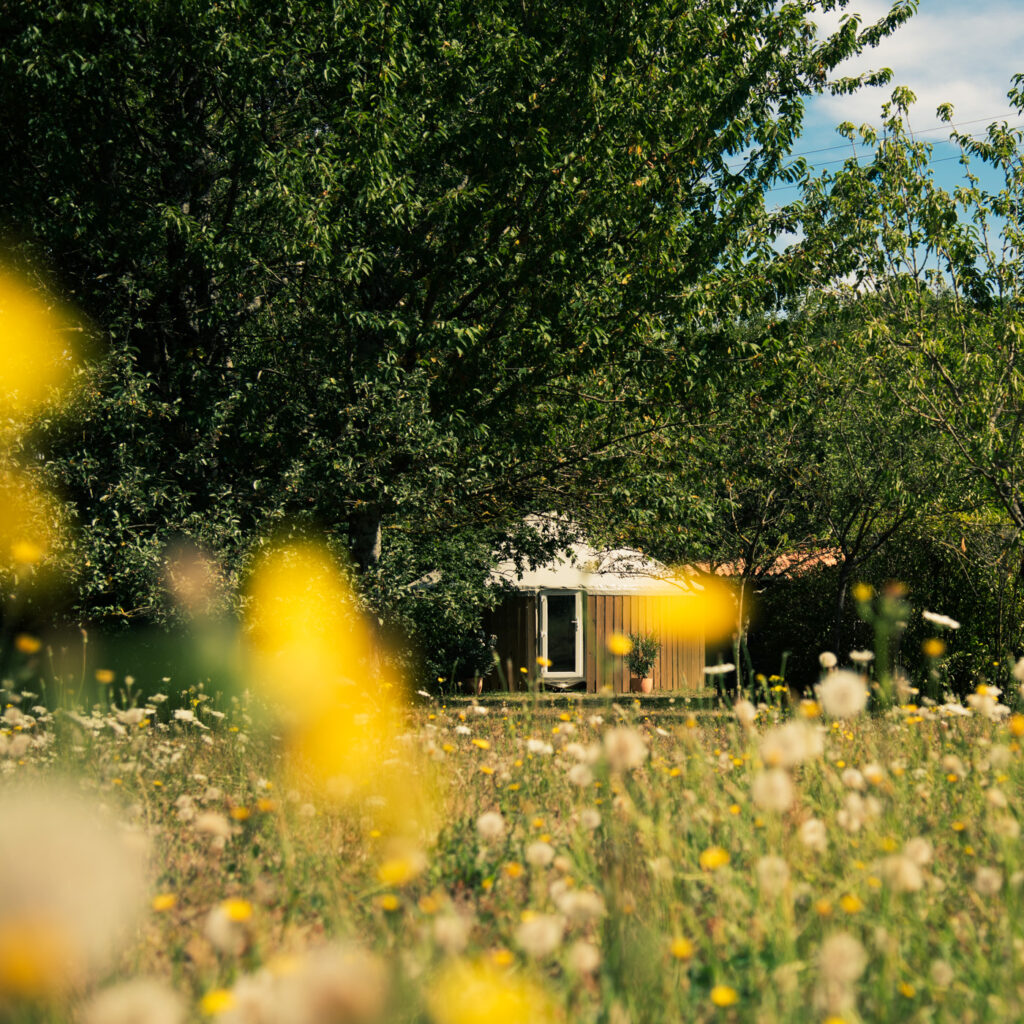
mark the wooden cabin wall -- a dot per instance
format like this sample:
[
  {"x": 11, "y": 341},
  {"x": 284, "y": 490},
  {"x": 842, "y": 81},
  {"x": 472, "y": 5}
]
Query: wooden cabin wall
[
  {"x": 514, "y": 622},
  {"x": 680, "y": 664}
]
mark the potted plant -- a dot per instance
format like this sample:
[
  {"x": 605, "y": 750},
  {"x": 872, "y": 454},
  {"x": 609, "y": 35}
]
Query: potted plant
[{"x": 641, "y": 659}]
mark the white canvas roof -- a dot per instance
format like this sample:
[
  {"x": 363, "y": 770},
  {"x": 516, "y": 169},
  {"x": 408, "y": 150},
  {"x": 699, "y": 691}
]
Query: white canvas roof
[{"x": 611, "y": 571}]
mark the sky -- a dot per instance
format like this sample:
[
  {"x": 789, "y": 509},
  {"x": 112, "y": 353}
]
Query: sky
[{"x": 962, "y": 52}]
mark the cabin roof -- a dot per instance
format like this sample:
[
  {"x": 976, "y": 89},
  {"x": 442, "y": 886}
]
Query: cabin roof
[{"x": 607, "y": 571}]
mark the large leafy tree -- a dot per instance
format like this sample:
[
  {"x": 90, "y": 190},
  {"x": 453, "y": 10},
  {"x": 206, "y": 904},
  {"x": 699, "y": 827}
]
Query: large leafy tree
[{"x": 406, "y": 269}]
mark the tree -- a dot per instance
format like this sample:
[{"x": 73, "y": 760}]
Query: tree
[{"x": 405, "y": 270}]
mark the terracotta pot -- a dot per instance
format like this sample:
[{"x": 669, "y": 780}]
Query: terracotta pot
[{"x": 641, "y": 684}]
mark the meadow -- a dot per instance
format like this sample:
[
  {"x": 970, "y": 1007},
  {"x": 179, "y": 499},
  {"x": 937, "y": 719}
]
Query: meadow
[{"x": 180, "y": 859}]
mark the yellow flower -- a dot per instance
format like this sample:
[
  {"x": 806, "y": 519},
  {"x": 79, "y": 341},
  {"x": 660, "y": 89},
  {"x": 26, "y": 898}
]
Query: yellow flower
[
  {"x": 619, "y": 645},
  {"x": 237, "y": 910},
  {"x": 933, "y": 647},
  {"x": 26, "y": 552},
  {"x": 164, "y": 901},
  {"x": 810, "y": 708},
  {"x": 907, "y": 990},
  {"x": 851, "y": 904},
  {"x": 863, "y": 592},
  {"x": 104, "y": 676},
  {"x": 682, "y": 949},
  {"x": 35, "y": 356},
  {"x": 544, "y": 662},
  {"x": 482, "y": 744},
  {"x": 1016, "y": 725},
  {"x": 713, "y": 858},
  {"x": 388, "y": 902},
  {"x": 723, "y": 995},
  {"x": 513, "y": 870},
  {"x": 398, "y": 871},
  {"x": 34, "y": 959},
  {"x": 481, "y": 993},
  {"x": 240, "y": 813},
  {"x": 26, "y": 644},
  {"x": 218, "y": 1000},
  {"x": 265, "y": 805},
  {"x": 823, "y": 908}
]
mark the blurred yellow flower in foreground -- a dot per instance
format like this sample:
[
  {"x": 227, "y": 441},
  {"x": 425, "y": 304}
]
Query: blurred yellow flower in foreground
[
  {"x": 330, "y": 683},
  {"x": 619, "y": 645},
  {"x": 723, "y": 995},
  {"x": 713, "y": 858},
  {"x": 707, "y": 609},
  {"x": 25, "y": 643},
  {"x": 29, "y": 522},
  {"x": 36, "y": 355},
  {"x": 480, "y": 993}
]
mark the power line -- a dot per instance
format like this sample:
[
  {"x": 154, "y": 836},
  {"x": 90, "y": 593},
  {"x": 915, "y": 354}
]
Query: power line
[
  {"x": 916, "y": 135},
  {"x": 787, "y": 188},
  {"x": 923, "y": 131}
]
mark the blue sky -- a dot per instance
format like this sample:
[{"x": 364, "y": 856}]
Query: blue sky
[{"x": 962, "y": 52}]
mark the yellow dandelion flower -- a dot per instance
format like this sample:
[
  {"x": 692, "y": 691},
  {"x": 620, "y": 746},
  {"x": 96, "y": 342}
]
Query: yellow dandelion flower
[
  {"x": 723, "y": 995},
  {"x": 388, "y": 902},
  {"x": 513, "y": 869},
  {"x": 958, "y": 826},
  {"x": 429, "y": 905},
  {"x": 502, "y": 958},
  {"x": 619, "y": 645},
  {"x": 216, "y": 1001},
  {"x": 544, "y": 662},
  {"x": 907, "y": 990},
  {"x": 682, "y": 949},
  {"x": 851, "y": 904},
  {"x": 237, "y": 910},
  {"x": 713, "y": 858},
  {"x": 240, "y": 813},
  {"x": 105, "y": 676},
  {"x": 482, "y": 744},
  {"x": 823, "y": 908},
  {"x": 265, "y": 806},
  {"x": 399, "y": 871},
  {"x": 25, "y": 644},
  {"x": 1016, "y": 725},
  {"x": 863, "y": 592},
  {"x": 164, "y": 901},
  {"x": 933, "y": 647}
]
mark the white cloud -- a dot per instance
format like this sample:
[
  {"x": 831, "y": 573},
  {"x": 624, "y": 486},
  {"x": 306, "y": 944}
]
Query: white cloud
[{"x": 950, "y": 52}]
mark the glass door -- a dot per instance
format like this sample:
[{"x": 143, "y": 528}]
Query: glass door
[{"x": 561, "y": 638}]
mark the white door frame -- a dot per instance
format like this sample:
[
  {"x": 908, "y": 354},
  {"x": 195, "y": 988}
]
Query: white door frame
[{"x": 579, "y": 671}]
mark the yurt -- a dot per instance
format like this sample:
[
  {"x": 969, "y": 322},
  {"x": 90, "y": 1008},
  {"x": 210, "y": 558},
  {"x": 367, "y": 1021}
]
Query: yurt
[{"x": 556, "y": 620}]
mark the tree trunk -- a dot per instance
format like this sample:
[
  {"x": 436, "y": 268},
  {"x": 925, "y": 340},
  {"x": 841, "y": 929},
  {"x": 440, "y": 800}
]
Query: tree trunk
[
  {"x": 364, "y": 535},
  {"x": 837, "y": 621}
]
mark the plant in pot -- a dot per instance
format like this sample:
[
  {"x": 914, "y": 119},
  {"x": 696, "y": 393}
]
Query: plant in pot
[{"x": 641, "y": 659}]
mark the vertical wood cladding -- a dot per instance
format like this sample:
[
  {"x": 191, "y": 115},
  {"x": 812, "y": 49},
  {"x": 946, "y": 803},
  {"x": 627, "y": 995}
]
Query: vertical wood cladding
[{"x": 680, "y": 664}]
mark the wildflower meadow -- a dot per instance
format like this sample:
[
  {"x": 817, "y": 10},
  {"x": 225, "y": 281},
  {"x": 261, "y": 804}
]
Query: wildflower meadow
[{"x": 310, "y": 848}]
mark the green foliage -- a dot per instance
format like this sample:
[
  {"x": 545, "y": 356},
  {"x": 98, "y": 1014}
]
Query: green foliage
[
  {"x": 643, "y": 654},
  {"x": 400, "y": 271}
]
